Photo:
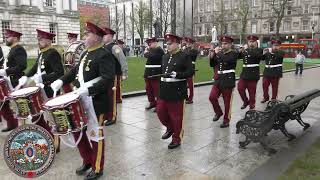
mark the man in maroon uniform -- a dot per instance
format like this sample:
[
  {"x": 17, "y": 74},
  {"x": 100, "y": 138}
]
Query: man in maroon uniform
[
  {"x": 273, "y": 70},
  {"x": 250, "y": 74},
  {"x": 92, "y": 76},
  {"x": 173, "y": 90},
  {"x": 154, "y": 55},
  {"x": 224, "y": 62},
  {"x": 190, "y": 50},
  {"x": 13, "y": 67}
]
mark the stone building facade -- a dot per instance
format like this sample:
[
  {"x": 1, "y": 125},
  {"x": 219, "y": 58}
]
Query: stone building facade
[
  {"x": 56, "y": 16},
  {"x": 300, "y": 17}
]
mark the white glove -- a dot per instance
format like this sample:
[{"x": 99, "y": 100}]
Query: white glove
[
  {"x": 124, "y": 77},
  {"x": 83, "y": 91},
  {"x": 23, "y": 80},
  {"x": 3, "y": 72},
  {"x": 173, "y": 74},
  {"x": 37, "y": 78},
  {"x": 56, "y": 85}
]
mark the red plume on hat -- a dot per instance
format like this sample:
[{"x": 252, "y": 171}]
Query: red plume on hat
[
  {"x": 151, "y": 40},
  {"x": 94, "y": 29},
  {"x": 11, "y": 33},
  {"x": 45, "y": 35},
  {"x": 227, "y": 39},
  {"x": 173, "y": 38},
  {"x": 188, "y": 39},
  {"x": 109, "y": 31},
  {"x": 275, "y": 42},
  {"x": 252, "y": 38}
]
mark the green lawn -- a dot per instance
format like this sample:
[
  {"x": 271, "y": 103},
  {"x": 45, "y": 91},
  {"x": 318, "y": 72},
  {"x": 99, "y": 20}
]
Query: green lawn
[
  {"x": 306, "y": 167},
  {"x": 136, "y": 69}
]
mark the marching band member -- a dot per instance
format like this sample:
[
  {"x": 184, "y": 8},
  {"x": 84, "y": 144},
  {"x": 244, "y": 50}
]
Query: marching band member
[
  {"x": 47, "y": 69},
  {"x": 121, "y": 69},
  {"x": 250, "y": 74},
  {"x": 224, "y": 62},
  {"x": 92, "y": 76},
  {"x": 190, "y": 50},
  {"x": 173, "y": 90},
  {"x": 154, "y": 55},
  {"x": 13, "y": 67},
  {"x": 273, "y": 70}
]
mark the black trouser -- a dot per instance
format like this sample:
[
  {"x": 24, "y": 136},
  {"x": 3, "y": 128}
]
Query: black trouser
[{"x": 299, "y": 66}]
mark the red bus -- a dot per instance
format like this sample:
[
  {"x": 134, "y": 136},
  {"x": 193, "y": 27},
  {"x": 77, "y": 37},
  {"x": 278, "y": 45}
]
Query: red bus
[
  {"x": 291, "y": 49},
  {"x": 312, "y": 47}
]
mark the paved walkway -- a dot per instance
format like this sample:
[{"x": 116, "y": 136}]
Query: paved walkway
[{"x": 134, "y": 149}]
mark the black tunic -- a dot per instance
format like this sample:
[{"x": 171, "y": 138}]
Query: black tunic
[
  {"x": 225, "y": 61},
  {"x": 51, "y": 64},
  {"x": 272, "y": 59},
  {"x": 251, "y": 56},
  {"x": 193, "y": 53},
  {"x": 16, "y": 64},
  {"x": 117, "y": 64},
  {"x": 154, "y": 58},
  {"x": 181, "y": 63},
  {"x": 98, "y": 62}
]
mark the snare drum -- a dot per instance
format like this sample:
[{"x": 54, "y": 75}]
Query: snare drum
[
  {"x": 4, "y": 90},
  {"x": 28, "y": 102},
  {"x": 67, "y": 112},
  {"x": 73, "y": 53}
]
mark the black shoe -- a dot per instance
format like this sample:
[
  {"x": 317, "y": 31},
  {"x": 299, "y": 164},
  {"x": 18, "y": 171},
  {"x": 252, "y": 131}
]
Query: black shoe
[
  {"x": 245, "y": 105},
  {"x": 189, "y": 102},
  {"x": 216, "y": 118},
  {"x": 150, "y": 107},
  {"x": 264, "y": 100},
  {"x": 83, "y": 169},
  {"x": 224, "y": 125},
  {"x": 173, "y": 145},
  {"x": 7, "y": 129},
  {"x": 92, "y": 175},
  {"x": 167, "y": 134},
  {"x": 109, "y": 122}
]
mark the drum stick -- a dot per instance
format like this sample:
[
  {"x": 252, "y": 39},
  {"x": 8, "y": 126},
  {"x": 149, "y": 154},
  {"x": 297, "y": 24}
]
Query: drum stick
[{"x": 54, "y": 93}]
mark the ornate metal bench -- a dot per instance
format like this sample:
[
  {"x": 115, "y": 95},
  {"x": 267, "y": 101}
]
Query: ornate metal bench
[{"x": 257, "y": 124}]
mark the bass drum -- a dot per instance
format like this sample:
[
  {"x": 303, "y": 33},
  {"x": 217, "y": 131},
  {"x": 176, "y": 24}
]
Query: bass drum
[{"x": 72, "y": 55}]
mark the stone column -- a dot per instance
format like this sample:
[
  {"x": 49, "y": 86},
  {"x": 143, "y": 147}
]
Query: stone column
[
  {"x": 59, "y": 7},
  {"x": 39, "y": 4},
  {"x": 66, "y": 4},
  {"x": 12, "y": 2},
  {"x": 25, "y": 2},
  {"x": 74, "y": 5}
]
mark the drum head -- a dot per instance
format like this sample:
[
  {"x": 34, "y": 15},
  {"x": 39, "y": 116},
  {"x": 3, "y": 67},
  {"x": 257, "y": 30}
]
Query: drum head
[
  {"x": 24, "y": 91},
  {"x": 62, "y": 100},
  {"x": 29, "y": 151}
]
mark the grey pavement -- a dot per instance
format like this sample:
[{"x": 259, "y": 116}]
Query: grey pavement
[{"x": 134, "y": 149}]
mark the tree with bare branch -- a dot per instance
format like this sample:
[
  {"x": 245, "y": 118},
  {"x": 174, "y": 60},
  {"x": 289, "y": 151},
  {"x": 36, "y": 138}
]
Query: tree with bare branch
[
  {"x": 141, "y": 18},
  {"x": 243, "y": 12},
  {"x": 164, "y": 13},
  {"x": 219, "y": 17},
  {"x": 278, "y": 7}
]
